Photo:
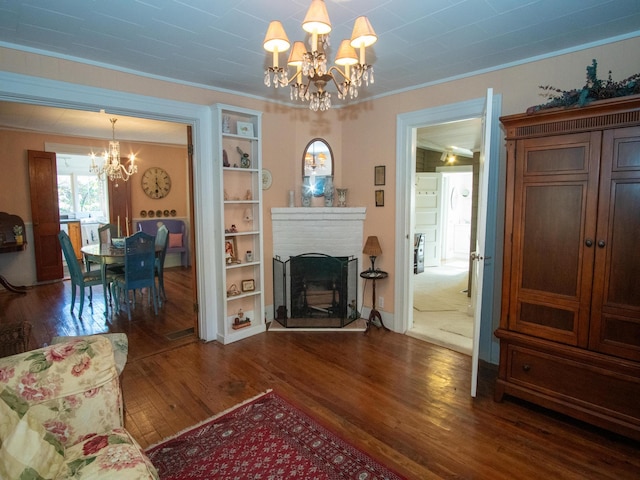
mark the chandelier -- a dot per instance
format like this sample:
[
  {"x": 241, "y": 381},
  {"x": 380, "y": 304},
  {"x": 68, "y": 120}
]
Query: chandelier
[
  {"x": 312, "y": 74},
  {"x": 314, "y": 162},
  {"x": 112, "y": 168}
]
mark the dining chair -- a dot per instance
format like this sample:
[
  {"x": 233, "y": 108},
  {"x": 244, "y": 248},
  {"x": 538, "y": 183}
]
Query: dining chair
[
  {"x": 106, "y": 232},
  {"x": 162, "y": 241},
  {"x": 79, "y": 279},
  {"x": 139, "y": 270}
]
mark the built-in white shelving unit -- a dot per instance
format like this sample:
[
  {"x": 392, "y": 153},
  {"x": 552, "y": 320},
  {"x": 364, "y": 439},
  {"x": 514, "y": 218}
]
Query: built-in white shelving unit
[{"x": 238, "y": 132}]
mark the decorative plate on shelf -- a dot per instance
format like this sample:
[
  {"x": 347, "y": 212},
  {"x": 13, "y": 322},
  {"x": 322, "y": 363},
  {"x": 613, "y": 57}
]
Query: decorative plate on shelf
[
  {"x": 143, "y": 213},
  {"x": 165, "y": 213},
  {"x": 151, "y": 213},
  {"x": 267, "y": 179},
  {"x": 158, "y": 213},
  {"x": 173, "y": 213}
]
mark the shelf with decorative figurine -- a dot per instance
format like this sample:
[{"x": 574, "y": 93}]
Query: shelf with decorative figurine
[
  {"x": 240, "y": 161},
  {"x": 11, "y": 233}
]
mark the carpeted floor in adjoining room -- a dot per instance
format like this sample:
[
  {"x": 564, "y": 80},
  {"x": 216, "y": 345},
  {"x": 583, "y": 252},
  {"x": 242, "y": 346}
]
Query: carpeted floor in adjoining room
[{"x": 440, "y": 307}]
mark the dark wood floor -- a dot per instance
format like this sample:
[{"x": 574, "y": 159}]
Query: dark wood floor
[{"x": 403, "y": 401}]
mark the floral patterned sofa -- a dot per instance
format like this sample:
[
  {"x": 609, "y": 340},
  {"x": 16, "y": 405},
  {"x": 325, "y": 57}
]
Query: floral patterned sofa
[{"x": 61, "y": 415}]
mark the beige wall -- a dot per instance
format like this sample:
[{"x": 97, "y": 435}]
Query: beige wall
[{"x": 361, "y": 136}]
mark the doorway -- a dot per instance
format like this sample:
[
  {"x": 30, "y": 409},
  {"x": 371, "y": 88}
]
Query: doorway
[
  {"x": 441, "y": 294},
  {"x": 407, "y": 126},
  {"x": 42, "y": 91}
]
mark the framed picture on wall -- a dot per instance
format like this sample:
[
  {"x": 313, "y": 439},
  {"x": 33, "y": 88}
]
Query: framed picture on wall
[
  {"x": 379, "y": 175},
  {"x": 379, "y": 198}
]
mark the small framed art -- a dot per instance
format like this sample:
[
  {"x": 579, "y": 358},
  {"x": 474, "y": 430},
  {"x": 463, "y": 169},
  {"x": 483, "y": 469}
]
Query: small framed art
[
  {"x": 379, "y": 175},
  {"x": 248, "y": 285},
  {"x": 379, "y": 198},
  {"x": 245, "y": 129},
  {"x": 230, "y": 250}
]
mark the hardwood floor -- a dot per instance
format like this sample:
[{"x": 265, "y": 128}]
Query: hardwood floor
[
  {"x": 403, "y": 401},
  {"x": 46, "y": 307}
]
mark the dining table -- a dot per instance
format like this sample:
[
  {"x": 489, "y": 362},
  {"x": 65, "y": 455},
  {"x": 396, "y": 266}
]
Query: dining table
[{"x": 103, "y": 254}]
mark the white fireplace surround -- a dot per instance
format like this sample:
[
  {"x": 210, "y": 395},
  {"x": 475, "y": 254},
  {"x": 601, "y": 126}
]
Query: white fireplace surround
[{"x": 335, "y": 231}]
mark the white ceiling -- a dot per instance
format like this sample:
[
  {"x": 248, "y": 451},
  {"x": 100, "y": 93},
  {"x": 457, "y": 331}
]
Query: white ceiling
[{"x": 218, "y": 43}]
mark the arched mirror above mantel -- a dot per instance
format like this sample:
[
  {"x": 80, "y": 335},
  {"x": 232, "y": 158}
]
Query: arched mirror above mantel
[{"x": 317, "y": 165}]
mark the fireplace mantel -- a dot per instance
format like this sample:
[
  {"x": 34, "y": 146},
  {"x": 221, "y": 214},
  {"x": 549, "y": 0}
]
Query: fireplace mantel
[
  {"x": 336, "y": 231},
  {"x": 319, "y": 213}
]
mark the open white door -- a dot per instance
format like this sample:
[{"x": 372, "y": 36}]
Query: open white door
[
  {"x": 427, "y": 215},
  {"x": 478, "y": 256}
]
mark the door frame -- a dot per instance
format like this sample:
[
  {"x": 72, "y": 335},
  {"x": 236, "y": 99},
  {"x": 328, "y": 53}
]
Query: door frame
[
  {"x": 406, "y": 126},
  {"x": 42, "y": 91}
]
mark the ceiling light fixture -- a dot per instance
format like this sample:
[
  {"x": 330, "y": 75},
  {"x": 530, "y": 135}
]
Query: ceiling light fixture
[
  {"x": 112, "y": 168},
  {"x": 311, "y": 66},
  {"x": 448, "y": 157}
]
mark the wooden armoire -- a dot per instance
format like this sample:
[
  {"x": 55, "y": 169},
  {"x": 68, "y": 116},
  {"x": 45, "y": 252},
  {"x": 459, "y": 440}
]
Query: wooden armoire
[{"x": 570, "y": 323}]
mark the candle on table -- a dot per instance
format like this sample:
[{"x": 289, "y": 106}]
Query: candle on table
[{"x": 119, "y": 235}]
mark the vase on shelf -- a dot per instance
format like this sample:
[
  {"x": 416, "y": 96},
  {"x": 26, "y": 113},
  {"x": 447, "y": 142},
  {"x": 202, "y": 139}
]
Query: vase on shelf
[
  {"x": 226, "y": 124},
  {"x": 328, "y": 192},
  {"x": 306, "y": 192}
]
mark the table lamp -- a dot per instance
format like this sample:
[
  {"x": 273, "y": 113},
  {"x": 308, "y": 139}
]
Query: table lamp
[{"x": 372, "y": 248}]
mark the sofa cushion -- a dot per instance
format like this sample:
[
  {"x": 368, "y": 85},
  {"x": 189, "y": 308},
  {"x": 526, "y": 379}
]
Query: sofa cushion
[
  {"x": 27, "y": 450},
  {"x": 175, "y": 240},
  {"x": 114, "y": 454}
]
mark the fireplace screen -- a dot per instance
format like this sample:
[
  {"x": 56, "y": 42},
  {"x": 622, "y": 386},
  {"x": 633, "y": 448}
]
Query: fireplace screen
[{"x": 315, "y": 291}]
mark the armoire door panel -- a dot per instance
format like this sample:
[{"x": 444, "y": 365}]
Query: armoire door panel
[
  {"x": 554, "y": 215},
  {"x": 619, "y": 334},
  {"x": 548, "y": 316},
  {"x": 615, "y": 312},
  {"x": 554, "y": 160},
  {"x": 560, "y": 155},
  {"x": 622, "y": 273},
  {"x": 555, "y": 322},
  {"x": 551, "y": 246}
]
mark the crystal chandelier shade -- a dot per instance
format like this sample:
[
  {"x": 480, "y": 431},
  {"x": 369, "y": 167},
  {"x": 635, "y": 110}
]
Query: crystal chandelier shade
[
  {"x": 312, "y": 72},
  {"x": 112, "y": 168}
]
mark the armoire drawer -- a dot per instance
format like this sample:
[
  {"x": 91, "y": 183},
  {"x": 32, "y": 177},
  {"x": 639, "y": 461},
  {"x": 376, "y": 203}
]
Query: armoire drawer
[{"x": 571, "y": 380}]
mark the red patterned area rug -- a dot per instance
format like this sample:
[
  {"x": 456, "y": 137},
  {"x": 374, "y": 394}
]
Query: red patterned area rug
[{"x": 264, "y": 438}]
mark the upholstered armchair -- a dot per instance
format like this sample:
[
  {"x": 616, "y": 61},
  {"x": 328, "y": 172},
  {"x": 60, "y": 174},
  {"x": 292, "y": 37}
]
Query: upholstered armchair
[{"x": 61, "y": 415}]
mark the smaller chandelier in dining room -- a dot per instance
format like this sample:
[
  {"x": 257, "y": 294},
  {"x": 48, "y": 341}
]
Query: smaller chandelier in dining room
[
  {"x": 112, "y": 168},
  {"x": 312, "y": 74}
]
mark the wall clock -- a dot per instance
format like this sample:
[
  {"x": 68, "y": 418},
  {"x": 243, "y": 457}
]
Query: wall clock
[
  {"x": 156, "y": 182},
  {"x": 266, "y": 179}
]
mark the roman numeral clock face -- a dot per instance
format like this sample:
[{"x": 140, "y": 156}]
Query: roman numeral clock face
[{"x": 156, "y": 182}]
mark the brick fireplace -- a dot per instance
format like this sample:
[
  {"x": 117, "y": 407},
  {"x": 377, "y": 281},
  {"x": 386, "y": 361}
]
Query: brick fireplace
[{"x": 303, "y": 236}]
